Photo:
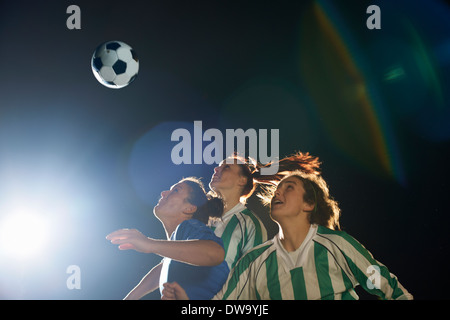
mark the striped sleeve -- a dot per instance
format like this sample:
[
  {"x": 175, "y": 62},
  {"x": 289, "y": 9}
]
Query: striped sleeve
[
  {"x": 372, "y": 275},
  {"x": 256, "y": 233},
  {"x": 242, "y": 233},
  {"x": 240, "y": 283}
]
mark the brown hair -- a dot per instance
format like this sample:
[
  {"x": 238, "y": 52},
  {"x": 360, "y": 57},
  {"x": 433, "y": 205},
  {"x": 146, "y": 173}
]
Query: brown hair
[
  {"x": 208, "y": 206},
  {"x": 251, "y": 169},
  {"x": 248, "y": 168},
  {"x": 326, "y": 211}
]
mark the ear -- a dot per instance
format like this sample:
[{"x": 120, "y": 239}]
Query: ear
[
  {"x": 308, "y": 207},
  {"x": 242, "y": 181},
  {"x": 189, "y": 209}
]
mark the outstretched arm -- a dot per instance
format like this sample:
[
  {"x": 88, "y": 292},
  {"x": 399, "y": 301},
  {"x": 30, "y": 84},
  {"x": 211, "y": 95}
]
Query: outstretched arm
[
  {"x": 195, "y": 252},
  {"x": 149, "y": 283}
]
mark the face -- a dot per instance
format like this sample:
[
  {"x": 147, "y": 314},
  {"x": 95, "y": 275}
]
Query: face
[
  {"x": 174, "y": 202},
  {"x": 288, "y": 199},
  {"x": 226, "y": 176}
]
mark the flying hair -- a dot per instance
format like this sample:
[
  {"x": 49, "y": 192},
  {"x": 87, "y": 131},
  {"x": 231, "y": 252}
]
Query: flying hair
[
  {"x": 251, "y": 169},
  {"x": 326, "y": 210},
  {"x": 298, "y": 161}
]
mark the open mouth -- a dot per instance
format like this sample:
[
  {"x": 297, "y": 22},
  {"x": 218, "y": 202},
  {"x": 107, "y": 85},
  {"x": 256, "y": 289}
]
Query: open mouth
[{"x": 276, "y": 202}]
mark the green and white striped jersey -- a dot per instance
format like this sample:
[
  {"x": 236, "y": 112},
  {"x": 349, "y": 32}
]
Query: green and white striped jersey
[
  {"x": 328, "y": 265},
  {"x": 240, "y": 230}
]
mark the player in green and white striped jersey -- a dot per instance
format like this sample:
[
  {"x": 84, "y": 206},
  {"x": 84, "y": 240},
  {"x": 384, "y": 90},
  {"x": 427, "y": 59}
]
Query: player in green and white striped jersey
[
  {"x": 235, "y": 179},
  {"x": 309, "y": 258},
  {"x": 239, "y": 228}
]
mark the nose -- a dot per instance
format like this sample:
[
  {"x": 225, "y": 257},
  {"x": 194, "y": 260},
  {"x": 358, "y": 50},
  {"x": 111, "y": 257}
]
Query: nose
[
  {"x": 216, "y": 169},
  {"x": 164, "y": 193},
  {"x": 277, "y": 192}
]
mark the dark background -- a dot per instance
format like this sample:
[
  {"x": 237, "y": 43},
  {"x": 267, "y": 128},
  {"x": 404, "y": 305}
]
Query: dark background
[{"x": 371, "y": 104}]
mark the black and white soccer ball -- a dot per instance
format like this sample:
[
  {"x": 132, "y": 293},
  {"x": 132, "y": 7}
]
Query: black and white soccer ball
[{"x": 115, "y": 64}]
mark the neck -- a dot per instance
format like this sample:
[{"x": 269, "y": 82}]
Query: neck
[
  {"x": 293, "y": 233},
  {"x": 170, "y": 226},
  {"x": 230, "y": 205},
  {"x": 230, "y": 199}
]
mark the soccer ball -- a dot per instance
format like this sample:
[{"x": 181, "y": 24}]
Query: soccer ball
[{"x": 115, "y": 64}]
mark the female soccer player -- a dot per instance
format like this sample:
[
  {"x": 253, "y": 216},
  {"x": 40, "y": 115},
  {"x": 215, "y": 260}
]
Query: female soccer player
[
  {"x": 235, "y": 180},
  {"x": 239, "y": 228},
  {"x": 184, "y": 211},
  {"x": 310, "y": 258}
]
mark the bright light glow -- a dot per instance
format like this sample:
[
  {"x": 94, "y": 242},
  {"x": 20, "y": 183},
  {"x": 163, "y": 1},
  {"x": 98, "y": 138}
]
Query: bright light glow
[{"x": 23, "y": 235}]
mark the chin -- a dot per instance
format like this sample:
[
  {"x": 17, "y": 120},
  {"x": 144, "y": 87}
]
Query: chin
[
  {"x": 213, "y": 185},
  {"x": 272, "y": 215},
  {"x": 156, "y": 211},
  {"x": 275, "y": 214}
]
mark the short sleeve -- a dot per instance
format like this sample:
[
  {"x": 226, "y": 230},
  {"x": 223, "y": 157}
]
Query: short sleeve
[{"x": 193, "y": 229}]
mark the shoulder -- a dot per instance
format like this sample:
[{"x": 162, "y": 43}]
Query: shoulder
[
  {"x": 249, "y": 213},
  {"x": 337, "y": 235},
  {"x": 189, "y": 225},
  {"x": 259, "y": 252},
  {"x": 251, "y": 217},
  {"x": 245, "y": 218},
  {"x": 342, "y": 240},
  {"x": 193, "y": 229}
]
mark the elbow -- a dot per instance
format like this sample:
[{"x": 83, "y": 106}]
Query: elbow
[{"x": 216, "y": 256}]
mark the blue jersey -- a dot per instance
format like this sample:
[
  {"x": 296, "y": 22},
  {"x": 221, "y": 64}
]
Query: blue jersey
[{"x": 200, "y": 283}]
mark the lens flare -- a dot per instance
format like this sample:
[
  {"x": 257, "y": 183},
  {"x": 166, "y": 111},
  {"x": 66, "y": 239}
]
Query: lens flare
[
  {"x": 23, "y": 235},
  {"x": 347, "y": 103}
]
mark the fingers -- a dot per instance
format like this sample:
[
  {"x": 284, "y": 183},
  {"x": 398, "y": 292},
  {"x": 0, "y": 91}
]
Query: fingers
[
  {"x": 169, "y": 291},
  {"x": 127, "y": 246},
  {"x": 121, "y": 234},
  {"x": 120, "y": 240},
  {"x": 173, "y": 291},
  {"x": 122, "y": 237},
  {"x": 130, "y": 239},
  {"x": 170, "y": 286}
]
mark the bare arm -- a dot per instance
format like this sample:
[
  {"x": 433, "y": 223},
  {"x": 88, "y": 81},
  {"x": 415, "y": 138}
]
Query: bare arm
[
  {"x": 149, "y": 283},
  {"x": 195, "y": 252}
]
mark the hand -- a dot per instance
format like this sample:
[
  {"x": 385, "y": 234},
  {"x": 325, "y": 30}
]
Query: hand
[
  {"x": 130, "y": 239},
  {"x": 173, "y": 291}
]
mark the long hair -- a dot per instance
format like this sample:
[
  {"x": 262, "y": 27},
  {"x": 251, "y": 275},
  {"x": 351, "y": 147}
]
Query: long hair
[
  {"x": 251, "y": 169},
  {"x": 298, "y": 161},
  {"x": 208, "y": 206},
  {"x": 326, "y": 210}
]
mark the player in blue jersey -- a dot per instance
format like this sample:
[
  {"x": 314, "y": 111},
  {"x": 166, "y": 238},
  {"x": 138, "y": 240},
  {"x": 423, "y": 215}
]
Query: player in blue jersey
[{"x": 184, "y": 211}]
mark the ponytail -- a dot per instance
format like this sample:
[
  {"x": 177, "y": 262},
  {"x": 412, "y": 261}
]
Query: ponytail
[
  {"x": 296, "y": 162},
  {"x": 208, "y": 206},
  {"x": 211, "y": 210},
  {"x": 251, "y": 169}
]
